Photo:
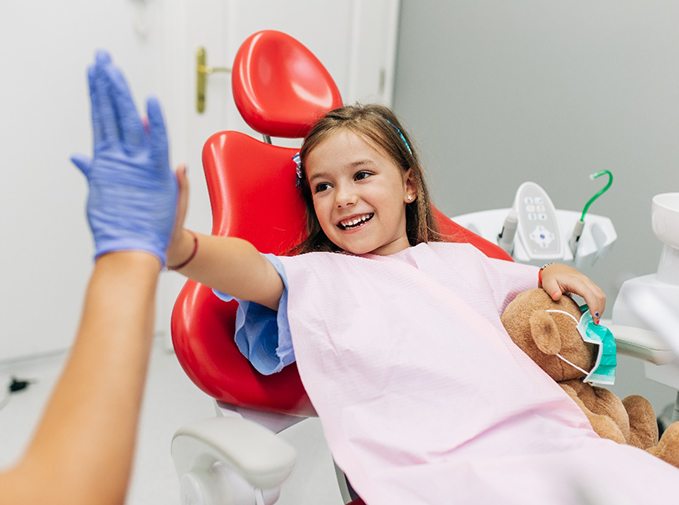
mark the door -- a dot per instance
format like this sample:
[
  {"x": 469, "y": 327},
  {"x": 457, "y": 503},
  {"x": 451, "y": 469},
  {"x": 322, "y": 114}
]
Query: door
[
  {"x": 355, "y": 40},
  {"x": 46, "y": 251}
]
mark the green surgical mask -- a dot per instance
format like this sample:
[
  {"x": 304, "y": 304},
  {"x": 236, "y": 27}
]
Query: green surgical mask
[{"x": 603, "y": 372}]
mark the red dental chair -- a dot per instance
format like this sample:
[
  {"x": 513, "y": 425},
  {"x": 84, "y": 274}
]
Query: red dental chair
[{"x": 280, "y": 88}]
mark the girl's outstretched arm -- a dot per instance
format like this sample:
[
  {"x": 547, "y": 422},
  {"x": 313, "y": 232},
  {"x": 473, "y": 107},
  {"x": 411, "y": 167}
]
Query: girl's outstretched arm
[{"x": 228, "y": 264}]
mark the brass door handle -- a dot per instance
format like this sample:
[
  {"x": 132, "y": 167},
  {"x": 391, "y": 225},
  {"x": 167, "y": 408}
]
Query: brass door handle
[{"x": 202, "y": 71}]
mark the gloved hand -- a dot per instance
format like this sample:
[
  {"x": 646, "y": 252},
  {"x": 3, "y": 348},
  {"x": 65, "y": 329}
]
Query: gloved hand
[{"x": 132, "y": 190}]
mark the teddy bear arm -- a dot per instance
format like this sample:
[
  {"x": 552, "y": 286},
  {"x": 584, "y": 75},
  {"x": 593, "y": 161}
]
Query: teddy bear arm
[
  {"x": 642, "y": 422},
  {"x": 668, "y": 447},
  {"x": 603, "y": 425},
  {"x": 610, "y": 405},
  {"x": 603, "y": 402}
]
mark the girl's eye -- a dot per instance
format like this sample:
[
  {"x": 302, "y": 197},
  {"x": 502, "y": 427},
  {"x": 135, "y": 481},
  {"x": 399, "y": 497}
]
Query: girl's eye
[
  {"x": 362, "y": 175},
  {"x": 322, "y": 186}
]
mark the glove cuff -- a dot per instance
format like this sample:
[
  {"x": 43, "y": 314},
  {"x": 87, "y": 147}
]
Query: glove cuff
[{"x": 131, "y": 246}]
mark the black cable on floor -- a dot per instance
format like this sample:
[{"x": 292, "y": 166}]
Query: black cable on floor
[{"x": 14, "y": 386}]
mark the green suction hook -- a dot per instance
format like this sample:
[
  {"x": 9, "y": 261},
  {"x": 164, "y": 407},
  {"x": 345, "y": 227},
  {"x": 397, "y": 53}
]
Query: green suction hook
[{"x": 599, "y": 193}]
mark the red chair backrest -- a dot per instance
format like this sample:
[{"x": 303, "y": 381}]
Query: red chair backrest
[
  {"x": 253, "y": 196},
  {"x": 279, "y": 86}
]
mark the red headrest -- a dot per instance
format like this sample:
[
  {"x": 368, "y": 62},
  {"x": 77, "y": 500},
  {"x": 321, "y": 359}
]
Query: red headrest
[{"x": 279, "y": 86}]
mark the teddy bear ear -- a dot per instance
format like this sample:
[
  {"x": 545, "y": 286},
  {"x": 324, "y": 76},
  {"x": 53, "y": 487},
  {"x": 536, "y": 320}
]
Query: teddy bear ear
[{"x": 545, "y": 333}]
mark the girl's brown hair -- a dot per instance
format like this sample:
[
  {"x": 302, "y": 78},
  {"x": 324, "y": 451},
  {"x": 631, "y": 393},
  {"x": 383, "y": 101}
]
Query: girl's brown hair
[{"x": 380, "y": 127}]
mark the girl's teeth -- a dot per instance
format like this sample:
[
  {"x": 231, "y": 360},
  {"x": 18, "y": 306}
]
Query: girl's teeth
[{"x": 355, "y": 222}]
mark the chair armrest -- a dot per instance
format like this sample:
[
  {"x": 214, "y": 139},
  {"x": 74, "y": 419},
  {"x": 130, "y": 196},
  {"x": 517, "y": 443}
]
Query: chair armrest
[
  {"x": 255, "y": 453},
  {"x": 640, "y": 343}
]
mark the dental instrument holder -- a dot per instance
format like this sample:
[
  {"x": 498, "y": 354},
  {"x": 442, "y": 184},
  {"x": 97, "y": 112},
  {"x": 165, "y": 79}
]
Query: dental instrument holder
[
  {"x": 543, "y": 232},
  {"x": 505, "y": 238},
  {"x": 663, "y": 286}
]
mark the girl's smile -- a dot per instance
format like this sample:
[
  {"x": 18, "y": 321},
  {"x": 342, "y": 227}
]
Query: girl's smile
[{"x": 354, "y": 222}]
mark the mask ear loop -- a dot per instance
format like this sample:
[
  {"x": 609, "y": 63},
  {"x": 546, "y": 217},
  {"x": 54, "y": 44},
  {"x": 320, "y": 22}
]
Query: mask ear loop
[
  {"x": 564, "y": 313},
  {"x": 559, "y": 355},
  {"x": 572, "y": 364}
]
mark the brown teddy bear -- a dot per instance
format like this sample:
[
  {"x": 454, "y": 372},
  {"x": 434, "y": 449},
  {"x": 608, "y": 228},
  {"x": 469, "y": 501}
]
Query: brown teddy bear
[{"x": 541, "y": 335}]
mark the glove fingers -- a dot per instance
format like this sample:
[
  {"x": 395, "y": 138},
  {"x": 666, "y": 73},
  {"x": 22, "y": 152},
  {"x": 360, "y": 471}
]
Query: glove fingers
[
  {"x": 83, "y": 163},
  {"x": 102, "y": 57},
  {"x": 130, "y": 125},
  {"x": 97, "y": 132},
  {"x": 158, "y": 134},
  {"x": 101, "y": 100}
]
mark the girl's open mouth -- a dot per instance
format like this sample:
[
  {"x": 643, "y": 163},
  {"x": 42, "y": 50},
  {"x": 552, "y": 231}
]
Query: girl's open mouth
[{"x": 355, "y": 222}]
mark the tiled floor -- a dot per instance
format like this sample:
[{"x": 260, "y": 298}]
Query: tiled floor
[{"x": 171, "y": 401}]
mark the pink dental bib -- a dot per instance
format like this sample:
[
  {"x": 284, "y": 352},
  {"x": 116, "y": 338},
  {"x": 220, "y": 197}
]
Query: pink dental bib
[{"x": 423, "y": 397}]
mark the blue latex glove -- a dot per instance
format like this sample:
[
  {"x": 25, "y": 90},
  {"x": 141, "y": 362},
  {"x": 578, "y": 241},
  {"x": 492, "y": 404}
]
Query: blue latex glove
[{"x": 132, "y": 190}]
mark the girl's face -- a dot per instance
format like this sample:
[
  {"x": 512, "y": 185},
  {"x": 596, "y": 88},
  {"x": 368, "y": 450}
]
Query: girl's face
[{"x": 359, "y": 195}]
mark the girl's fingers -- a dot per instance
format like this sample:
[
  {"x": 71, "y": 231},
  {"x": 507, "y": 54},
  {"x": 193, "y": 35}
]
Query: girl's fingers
[
  {"x": 183, "y": 196},
  {"x": 596, "y": 302},
  {"x": 594, "y": 297},
  {"x": 552, "y": 287},
  {"x": 561, "y": 279},
  {"x": 182, "y": 203}
]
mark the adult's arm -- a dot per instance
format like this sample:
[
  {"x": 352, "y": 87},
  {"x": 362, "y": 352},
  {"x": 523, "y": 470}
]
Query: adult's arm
[{"x": 82, "y": 450}]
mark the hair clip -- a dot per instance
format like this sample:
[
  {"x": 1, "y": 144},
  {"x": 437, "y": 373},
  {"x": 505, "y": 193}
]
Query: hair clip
[
  {"x": 298, "y": 169},
  {"x": 400, "y": 134}
]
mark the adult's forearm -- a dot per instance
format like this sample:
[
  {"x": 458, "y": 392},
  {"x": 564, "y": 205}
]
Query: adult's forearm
[{"x": 83, "y": 447}]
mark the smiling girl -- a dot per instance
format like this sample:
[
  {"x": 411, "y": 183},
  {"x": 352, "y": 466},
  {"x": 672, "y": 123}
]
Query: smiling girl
[
  {"x": 365, "y": 193},
  {"x": 423, "y": 397}
]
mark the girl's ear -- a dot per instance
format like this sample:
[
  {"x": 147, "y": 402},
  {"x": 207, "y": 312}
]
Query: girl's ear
[{"x": 409, "y": 186}]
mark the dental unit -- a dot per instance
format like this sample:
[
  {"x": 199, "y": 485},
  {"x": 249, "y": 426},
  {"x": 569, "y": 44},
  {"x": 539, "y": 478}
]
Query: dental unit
[{"x": 533, "y": 231}]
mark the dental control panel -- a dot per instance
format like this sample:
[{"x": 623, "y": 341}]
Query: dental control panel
[
  {"x": 534, "y": 231},
  {"x": 538, "y": 226}
]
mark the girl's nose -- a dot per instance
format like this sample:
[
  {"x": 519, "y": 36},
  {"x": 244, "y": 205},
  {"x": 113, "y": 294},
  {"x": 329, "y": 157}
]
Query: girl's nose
[{"x": 345, "y": 197}]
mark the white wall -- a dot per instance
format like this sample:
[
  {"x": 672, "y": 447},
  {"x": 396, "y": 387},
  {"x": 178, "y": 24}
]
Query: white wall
[
  {"x": 497, "y": 92},
  {"x": 46, "y": 247}
]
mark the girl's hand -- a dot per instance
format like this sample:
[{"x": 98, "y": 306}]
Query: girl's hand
[
  {"x": 558, "y": 279},
  {"x": 181, "y": 242}
]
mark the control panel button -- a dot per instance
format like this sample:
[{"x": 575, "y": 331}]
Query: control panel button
[{"x": 542, "y": 236}]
